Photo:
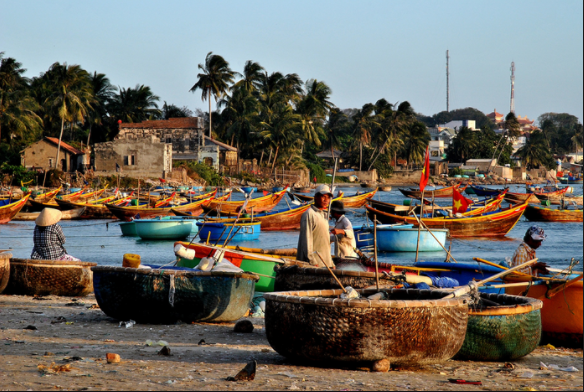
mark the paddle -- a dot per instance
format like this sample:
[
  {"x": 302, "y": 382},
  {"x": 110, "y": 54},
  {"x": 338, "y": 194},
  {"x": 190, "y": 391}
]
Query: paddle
[
  {"x": 331, "y": 271},
  {"x": 475, "y": 285}
]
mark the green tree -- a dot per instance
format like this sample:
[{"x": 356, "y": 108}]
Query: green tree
[
  {"x": 134, "y": 104},
  {"x": 215, "y": 79},
  {"x": 512, "y": 125},
  {"x": 103, "y": 92},
  {"x": 416, "y": 142},
  {"x": 365, "y": 121},
  {"x": 253, "y": 74},
  {"x": 280, "y": 132},
  {"x": 313, "y": 109},
  {"x": 462, "y": 146},
  {"x": 535, "y": 152},
  {"x": 173, "y": 111}
]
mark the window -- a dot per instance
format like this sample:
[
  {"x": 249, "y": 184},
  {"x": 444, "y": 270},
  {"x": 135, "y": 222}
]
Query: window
[
  {"x": 50, "y": 162},
  {"x": 129, "y": 160},
  {"x": 169, "y": 140}
]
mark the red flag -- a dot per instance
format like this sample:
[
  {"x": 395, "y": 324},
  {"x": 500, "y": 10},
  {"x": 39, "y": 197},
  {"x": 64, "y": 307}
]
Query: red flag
[
  {"x": 459, "y": 203},
  {"x": 162, "y": 180},
  {"x": 426, "y": 171},
  {"x": 266, "y": 193}
]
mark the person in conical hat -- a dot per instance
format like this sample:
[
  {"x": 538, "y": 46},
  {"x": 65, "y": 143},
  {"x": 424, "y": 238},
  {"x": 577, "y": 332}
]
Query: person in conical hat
[{"x": 48, "y": 237}]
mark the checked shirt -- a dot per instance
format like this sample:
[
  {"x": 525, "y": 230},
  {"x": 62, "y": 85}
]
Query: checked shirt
[{"x": 48, "y": 243}]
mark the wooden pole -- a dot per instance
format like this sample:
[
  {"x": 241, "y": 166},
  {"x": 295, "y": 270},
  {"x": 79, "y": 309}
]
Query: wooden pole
[
  {"x": 333, "y": 187},
  {"x": 375, "y": 251},
  {"x": 420, "y": 223},
  {"x": 331, "y": 271},
  {"x": 419, "y": 226}
]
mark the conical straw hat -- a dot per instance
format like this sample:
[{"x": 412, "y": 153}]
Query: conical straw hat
[{"x": 48, "y": 217}]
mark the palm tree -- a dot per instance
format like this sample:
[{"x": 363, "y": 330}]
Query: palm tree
[
  {"x": 71, "y": 97},
  {"x": 134, "y": 104},
  {"x": 16, "y": 105},
  {"x": 313, "y": 109},
  {"x": 252, "y": 76},
  {"x": 512, "y": 125},
  {"x": 214, "y": 80},
  {"x": 280, "y": 133},
  {"x": 337, "y": 121},
  {"x": 173, "y": 111},
  {"x": 535, "y": 152},
  {"x": 417, "y": 139},
  {"x": 364, "y": 123},
  {"x": 103, "y": 92},
  {"x": 463, "y": 145}
]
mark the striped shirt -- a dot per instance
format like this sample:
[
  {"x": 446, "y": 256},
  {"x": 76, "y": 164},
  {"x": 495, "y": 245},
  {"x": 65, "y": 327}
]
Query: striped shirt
[{"x": 48, "y": 243}]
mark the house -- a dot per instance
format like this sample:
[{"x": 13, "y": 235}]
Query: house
[
  {"x": 437, "y": 149},
  {"x": 482, "y": 165},
  {"x": 43, "y": 155},
  {"x": 456, "y": 125},
  {"x": 446, "y": 135}
]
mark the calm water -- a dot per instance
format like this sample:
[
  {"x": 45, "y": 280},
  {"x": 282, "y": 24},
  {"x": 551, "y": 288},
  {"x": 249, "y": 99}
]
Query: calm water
[{"x": 94, "y": 241}]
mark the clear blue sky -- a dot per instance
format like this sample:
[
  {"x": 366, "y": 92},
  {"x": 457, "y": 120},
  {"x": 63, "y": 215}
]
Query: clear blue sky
[{"x": 364, "y": 50}]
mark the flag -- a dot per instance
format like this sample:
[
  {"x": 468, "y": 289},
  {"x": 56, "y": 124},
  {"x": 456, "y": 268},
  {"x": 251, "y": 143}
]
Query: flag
[
  {"x": 162, "y": 180},
  {"x": 426, "y": 171},
  {"x": 459, "y": 202},
  {"x": 266, "y": 193}
]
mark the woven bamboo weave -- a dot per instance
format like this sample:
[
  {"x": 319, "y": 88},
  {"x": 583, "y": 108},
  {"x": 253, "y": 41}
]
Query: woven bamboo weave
[
  {"x": 294, "y": 278},
  {"x": 412, "y": 327},
  {"x": 4, "y": 270},
  {"x": 48, "y": 277},
  {"x": 166, "y": 296},
  {"x": 502, "y": 333}
]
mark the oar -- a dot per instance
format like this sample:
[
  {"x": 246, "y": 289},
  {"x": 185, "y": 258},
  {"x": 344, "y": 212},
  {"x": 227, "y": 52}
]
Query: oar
[
  {"x": 465, "y": 290},
  {"x": 505, "y": 268},
  {"x": 331, "y": 271}
]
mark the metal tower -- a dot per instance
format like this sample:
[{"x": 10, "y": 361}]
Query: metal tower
[
  {"x": 447, "y": 82},
  {"x": 512, "y": 87}
]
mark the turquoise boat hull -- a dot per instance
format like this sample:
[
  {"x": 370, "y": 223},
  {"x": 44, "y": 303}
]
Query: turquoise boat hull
[
  {"x": 128, "y": 229},
  {"x": 216, "y": 231},
  {"x": 163, "y": 229},
  {"x": 401, "y": 238}
]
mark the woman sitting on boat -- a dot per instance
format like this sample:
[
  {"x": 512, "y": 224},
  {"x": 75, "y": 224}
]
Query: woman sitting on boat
[
  {"x": 49, "y": 238},
  {"x": 342, "y": 235},
  {"x": 531, "y": 241}
]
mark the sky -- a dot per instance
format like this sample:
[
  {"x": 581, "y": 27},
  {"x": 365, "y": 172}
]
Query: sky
[{"x": 364, "y": 50}]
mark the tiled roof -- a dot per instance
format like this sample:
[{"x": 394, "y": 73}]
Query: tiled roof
[
  {"x": 65, "y": 146},
  {"x": 494, "y": 114},
  {"x": 171, "y": 123}
]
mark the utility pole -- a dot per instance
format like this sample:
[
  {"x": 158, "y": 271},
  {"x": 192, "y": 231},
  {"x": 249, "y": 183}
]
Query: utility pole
[
  {"x": 512, "y": 87},
  {"x": 447, "y": 82}
]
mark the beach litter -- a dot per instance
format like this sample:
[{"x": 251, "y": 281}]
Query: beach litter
[
  {"x": 127, "y": 324},
  {"x": 54, "y": 369},
  {"x": 151, "y": 343},
  {"x": 246, "y": 374},
  {"x": 543, "y": 366}
]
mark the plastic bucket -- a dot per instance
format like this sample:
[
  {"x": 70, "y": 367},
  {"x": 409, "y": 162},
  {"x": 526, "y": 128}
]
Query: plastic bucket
[
  {"x": 131, "y": 261},
  {"x": 407, "y": 202}
]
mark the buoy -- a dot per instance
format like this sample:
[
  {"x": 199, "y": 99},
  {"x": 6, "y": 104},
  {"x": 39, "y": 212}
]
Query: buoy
[{"x": 131, "y": 261}]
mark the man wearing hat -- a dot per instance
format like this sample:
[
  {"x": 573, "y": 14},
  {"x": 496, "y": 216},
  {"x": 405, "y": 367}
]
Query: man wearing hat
[
  {"x": 49, "y": 238},
  {"x": 314, "y": 230},
  {"x": 342, "y": 235},
  {"x": 526, "y": 251}
]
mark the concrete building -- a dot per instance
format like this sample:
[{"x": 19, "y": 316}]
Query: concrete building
[
  {"x": 446, "y": 135},
  {"x": 482, "y": 165},
  {"x": 43, "y": 155},
  {"x": 437, "y": 149},
  {"x": 456, "y": 125}
]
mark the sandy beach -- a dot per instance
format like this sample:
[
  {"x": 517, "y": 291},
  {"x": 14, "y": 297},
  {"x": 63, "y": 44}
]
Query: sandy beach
[{"x": 57, "y": 343}]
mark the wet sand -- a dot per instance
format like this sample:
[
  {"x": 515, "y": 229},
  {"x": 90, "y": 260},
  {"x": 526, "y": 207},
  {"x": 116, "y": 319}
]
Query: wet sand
[{"x": 76, "y": 333}]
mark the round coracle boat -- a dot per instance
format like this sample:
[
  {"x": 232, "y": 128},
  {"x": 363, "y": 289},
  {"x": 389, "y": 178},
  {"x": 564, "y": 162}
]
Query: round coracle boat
[
  {"x": 295, "y": 278},
  {"x": 4, "y": 270},
  {"x": 163, "y": 296},
  {"x": 505, "y": 329},
  {"x": 50, "y": 277},
  {"x": 412, "y": 327}
]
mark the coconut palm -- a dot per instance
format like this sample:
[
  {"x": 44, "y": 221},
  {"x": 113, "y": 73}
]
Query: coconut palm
[
  {"x": 252, "y": 76},
  {"x": 103, "y": 92},
  {"x": 313, "y": 109},
  {"x": 280, "y": 132},
  {"x": 215, "y": 78},
  {"x": 463, "y": 145},
  {"x": 535, "y": 152},
  {"x": 512, "y": 125},
  {"x": 365, "y": 122},
  {"x": 134, "y": 104},
  {"x": 71, "y": 95},
  {"x": 417, "y": 139}
]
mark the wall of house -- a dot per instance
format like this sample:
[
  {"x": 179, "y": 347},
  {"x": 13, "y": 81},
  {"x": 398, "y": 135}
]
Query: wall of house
[
  {"x": 41, "y": 153},
  {"x": 210, "y": 156},
  {"x": 141, "y": 157}
]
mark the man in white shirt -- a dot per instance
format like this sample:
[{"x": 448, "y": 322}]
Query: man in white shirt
[{"x": 342, "y": 235}]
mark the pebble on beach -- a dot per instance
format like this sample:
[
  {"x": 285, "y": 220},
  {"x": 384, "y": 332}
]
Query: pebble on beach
[
  {"x": 243, "y": 326},
  {"x": 381, "y": 366}
]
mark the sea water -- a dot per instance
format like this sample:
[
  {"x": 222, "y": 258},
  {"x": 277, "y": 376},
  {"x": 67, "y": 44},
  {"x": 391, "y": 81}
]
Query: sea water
[{"x": 100, "y": 241}]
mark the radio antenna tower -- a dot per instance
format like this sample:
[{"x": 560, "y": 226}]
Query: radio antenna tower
[
  {"x": 512, "y": 87},
  {"x": 447, "y": 82}
]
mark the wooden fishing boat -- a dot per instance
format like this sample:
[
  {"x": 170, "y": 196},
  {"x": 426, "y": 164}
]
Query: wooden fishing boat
[
  {"x": 47, "y": 196},
  {"x": 310, "y": 199},
  {"x": 561, "y": 315},
  {"x": 4, "y": 270},
  {"x": 95, "y": 209},
  {"x": 48, "y": 277},
  {"x": 431, "y": 193},
  {"x": 412, "y": 327},
  {"x": 232, "y": 208},
  {"x": 569, "y": 180},
  {"x": 236, "y": 231},
  {"x": 558, "y": 200},
  {"x": 164, "y": 296},
  {"x": 65, "y": 215},
  {"x": 543, "y": 214},
  {"x": 401, "y": 238},
  {"x": 492, "y": 224},
  {"x": 506, "y": 330},
  {"x": 262, "y": 265},
  {"x": 8, "y": 209},
  {"x": 280, "y": 220},
  {"x": 532, "y": 197},
  {"x": 484, "y": 191},
  {"x": 358, "y": 201},
  {"x": 90, "y": 195},
  {"x": 74, "y": 196},
  {"x": 477, "y": 208}
]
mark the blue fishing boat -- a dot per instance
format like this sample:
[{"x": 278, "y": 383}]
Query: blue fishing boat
[
  {"x": 249, "y": 189},
  {"x": 217, "y": 231},
  {"x": 277, "y": 189},
  {"x": 401, "y": 238},
  {"x": 464, "y": 273},
  {"x": 164, "y": 229},
  {"x": 128, "y": 229},
  {"x": 484, "y": 191}
]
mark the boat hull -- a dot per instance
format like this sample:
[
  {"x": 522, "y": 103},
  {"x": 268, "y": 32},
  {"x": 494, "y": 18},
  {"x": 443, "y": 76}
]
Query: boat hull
[
  {"x": 429, "y": 194},
  {"x": 232, "y": 208},
  {"x": 216, "y": 231},
  {"x": 128, "y": 229},
  {"x": 10, "y": 210},
  {"x": 402, "y": 239},
  {"x": 65, "y": 215},
  {"x": 4, "y": 270},
  {"x": 159, "y": 229},
  {"x": 168, "y": 295},
  {"x": 542, "y": 214}
]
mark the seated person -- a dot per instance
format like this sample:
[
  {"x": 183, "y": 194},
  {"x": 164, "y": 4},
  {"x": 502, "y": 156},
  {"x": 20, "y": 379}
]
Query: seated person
[
  {"x": 526, "y": 251},
  {"x": 49, "y": 238}
]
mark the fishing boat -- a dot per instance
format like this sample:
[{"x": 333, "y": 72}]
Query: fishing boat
[
  {"x": 401, "y": 238},
  {"x": 561, "y": 315},
  {"x": 531, "y": 197},
  {"x": 484, "y": 191},
  {"x": 358, "y": 200},
  {"x": 279, "y": 220},
  {"x": 571, "y": 180},
  {"x": 45, "y": 197},
  {"x": 166, "y": 295},
  {"x": 95, "y": 209},
  {"x": 411, "y": 327},
  {"x": 501, "y": 328},
  {"x": 232, "y": 208},
  {"x": 294, "y": 278},
  {"x": 477, "y": 208},
  {"x": 310, "y": 199},
  {"x": 65, "y": 215},
  {"x": 543, "y": 214},
  {"x": 491, "y": 224},
  {"x": 558, "y": 200},
  {"x": 49, "y": 277},
  {"x": 73, "y": 196},
  {"x": 431, "y": 193},
  {"x": 4, "y": 270},
  {"x": 163, "y": 229},
  {"x": 236, "y": 231},
  {"x": 249, "y": 189},
  {"x": 9, "y": 209},
  {"x": 261, "y": 265},
  {"x": 385, "y": 188},
  {"x": 88, "y": 196},
  {"x": 128, "y": 229}
]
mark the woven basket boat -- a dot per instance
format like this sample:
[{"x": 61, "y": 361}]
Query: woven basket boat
[
  {"x": 412, "y": 327},
  {"x": 4, "y": 270},
  {"x": 296, "y": 278},
  {"x": 502, "y": 333},
  {"x": 48, "y": 277},
  {"x": 164, "y": 296}
]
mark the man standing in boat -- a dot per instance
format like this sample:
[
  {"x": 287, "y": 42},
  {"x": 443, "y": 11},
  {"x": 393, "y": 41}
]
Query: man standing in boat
[
  {"x": 342, "y": 235},
  {"x": 314, "y": 230},
  {"x": 526, "y": 251}
]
